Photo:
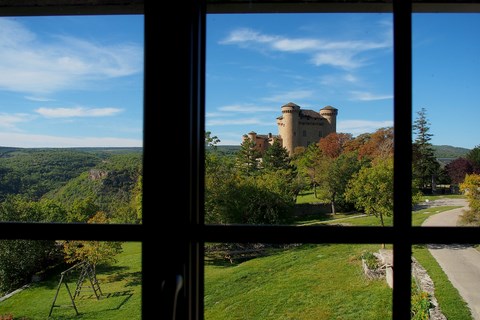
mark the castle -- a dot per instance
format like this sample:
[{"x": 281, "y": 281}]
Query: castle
[{"x": 298, "y": 128}]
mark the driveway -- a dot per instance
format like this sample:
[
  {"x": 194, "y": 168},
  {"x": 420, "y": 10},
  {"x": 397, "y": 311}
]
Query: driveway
[{"x": 461, "y": 263}]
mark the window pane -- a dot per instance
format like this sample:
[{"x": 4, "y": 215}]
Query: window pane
[
  {"x": 71, "y": 120},
  {"x": 445, "y": 128},
  {"x": 302, "y": 281},
  {"x": 445, "y": 278},
  {"x": 299, "y": 118},
  {"x": 35, "y": 287}
]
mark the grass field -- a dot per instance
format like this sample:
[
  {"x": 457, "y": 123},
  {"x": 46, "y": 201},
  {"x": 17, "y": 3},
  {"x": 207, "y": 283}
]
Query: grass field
[
  {"x": 307, "y": 282},
  {"x": 121, "y": 285},
  {"x": 318, "y": 281}
]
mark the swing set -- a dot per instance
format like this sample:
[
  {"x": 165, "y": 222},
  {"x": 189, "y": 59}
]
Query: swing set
[{"x": 86, "y": 271}]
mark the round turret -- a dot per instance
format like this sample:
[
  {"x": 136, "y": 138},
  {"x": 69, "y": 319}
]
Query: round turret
[
  {"x": 330, "y": 114},
  {"x": 288, "y": 126}
]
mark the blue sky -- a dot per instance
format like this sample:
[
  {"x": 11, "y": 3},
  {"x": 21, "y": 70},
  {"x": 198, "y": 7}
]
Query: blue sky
[
  {"x": 257, "y": 63},
  {"x": 71, "y": 81}
]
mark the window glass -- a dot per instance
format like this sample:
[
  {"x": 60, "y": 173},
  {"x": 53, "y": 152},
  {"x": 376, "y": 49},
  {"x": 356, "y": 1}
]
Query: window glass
[
  {"x": 297, "y": 281},
  {"x": 446, "y": 153},
  {"x": 327, "y": 76},
  {"x": 94, "y": 279},
  {"x": 71, "y": 120},
  {"x": 444, "y": 280}
]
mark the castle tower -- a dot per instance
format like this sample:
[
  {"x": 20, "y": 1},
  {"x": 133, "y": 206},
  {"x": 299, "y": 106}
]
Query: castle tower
[
  {"x": 288, "y": 127},
  {"x": 330, "y": 114}
]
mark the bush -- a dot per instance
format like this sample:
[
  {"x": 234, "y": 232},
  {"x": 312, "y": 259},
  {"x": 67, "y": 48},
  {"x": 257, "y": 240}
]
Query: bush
[{"x": 420, "y": 304}]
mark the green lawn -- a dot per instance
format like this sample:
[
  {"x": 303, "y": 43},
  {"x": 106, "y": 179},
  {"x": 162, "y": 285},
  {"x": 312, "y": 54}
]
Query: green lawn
[
  {"x": 449, "y": 300},
  {"x": 307, "y": 282},
  {"x": 121, "y": 285}
]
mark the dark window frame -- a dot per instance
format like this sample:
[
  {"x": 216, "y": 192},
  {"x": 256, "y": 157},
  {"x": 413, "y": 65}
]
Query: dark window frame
[{"x": 172, "y": 238}]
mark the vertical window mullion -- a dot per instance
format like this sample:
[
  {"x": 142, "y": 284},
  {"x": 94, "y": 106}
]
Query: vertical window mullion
[{"x": 402, "y": 32}]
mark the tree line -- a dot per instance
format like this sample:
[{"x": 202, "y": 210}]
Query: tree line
[{"x": 350, "y": 173}]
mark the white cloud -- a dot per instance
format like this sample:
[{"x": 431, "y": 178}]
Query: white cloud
[
  {"x": 236, "y": 121},
  {"x": 39, "y": 99},
  {"x": 32, "y": 66},
  {"x": 77, "y": 112},
  {"x": 368, "y": 96},
  {"x": 10, "y": 121},
  {"x": 290, "y": 96},
  {"x": 46, "y": 141},
  {"x": 356, "y": 127},
  {"x": 339, "y": 54},
  {"x": 246, "y": 108}
]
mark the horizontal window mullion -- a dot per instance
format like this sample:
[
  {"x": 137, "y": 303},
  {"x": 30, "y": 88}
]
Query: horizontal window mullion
[{"x": 71, "y": 231}]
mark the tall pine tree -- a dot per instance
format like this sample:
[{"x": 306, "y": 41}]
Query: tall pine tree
[{"x": 424, "y": 163}]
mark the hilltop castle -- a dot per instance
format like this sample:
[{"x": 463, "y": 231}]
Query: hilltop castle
[{"x": 298, "y": 128}]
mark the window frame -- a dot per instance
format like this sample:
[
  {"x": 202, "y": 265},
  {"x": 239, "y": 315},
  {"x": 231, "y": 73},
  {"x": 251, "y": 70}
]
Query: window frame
[
  {"x": 402, "y": 234},
  {"x": 173, "y": 239}
]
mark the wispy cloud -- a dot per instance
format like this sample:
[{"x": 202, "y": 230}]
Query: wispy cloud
[
  {"x": 236, "y": 121},
  {"x": 38, "y": 99},
  {"x": 338, "y": 54},
  {"x": 368, "y": 96},
  {"x": 240, "y": 108},
  {"x": 356, "y": 127},
  {"x": 286, "y": 97},
  {"x": 33, "y": 66},
  {"x": 77, "y": 112},
  {"x": 10, "y": 121},
  {"x": 44, "y": 141}
]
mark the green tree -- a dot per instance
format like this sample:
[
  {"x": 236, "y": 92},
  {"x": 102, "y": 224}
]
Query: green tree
[
  {"x": 276, "y": 157},
  {"x": 474, "y": 156},
  {"x": 20, "y": 259},
  {"x": 424, "y": 163},
  {"x": 371, "y": 189},
  {"x": 247, "y": 157},
  {"x": 335, "y": 175},
  {"x": 309, "y": 165}
]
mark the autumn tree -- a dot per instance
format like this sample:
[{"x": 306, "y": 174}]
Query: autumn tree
[
  {"x": 371, "y": 189},
  {"x": 377, "y": 144},
  {"x": 424, "y": 164},
  {"x": 94, "y": 252},
  {"x": 471, "y": 188},
  {"x": 458, "y": 169},
  {"x": 334, "y": 143}
]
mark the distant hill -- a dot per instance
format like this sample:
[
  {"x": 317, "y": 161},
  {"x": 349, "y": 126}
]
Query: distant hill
[{"x": 444, "y": 151}]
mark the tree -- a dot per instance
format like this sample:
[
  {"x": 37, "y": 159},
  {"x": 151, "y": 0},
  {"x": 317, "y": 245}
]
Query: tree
[
  {"x": 276, "y": 157},
  {"x": 424, "y": 164},
  {"x": 378, "y": 144},
  {"x": 247, "y": 157},
  {"x": 471, "y": 188},
  {"x": 371, "y": 189},
  {"x": 335, "y": 175},
  {"x": 458, "y": 169},
  {"x": 20, "y": 259},
  {"x": 309, "y": 164},
  {"x": 474, "y": 156},
  {"x": 92, "y": 251},
  {"x": 333, "y": 144}
]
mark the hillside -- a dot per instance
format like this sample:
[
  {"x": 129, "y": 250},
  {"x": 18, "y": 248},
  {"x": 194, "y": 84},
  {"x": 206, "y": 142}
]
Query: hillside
[{"x": 445, "y": 151}]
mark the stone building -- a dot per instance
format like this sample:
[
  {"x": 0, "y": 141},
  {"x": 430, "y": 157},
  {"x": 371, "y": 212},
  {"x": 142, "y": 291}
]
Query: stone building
[{"x": 298, "y": 128}]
